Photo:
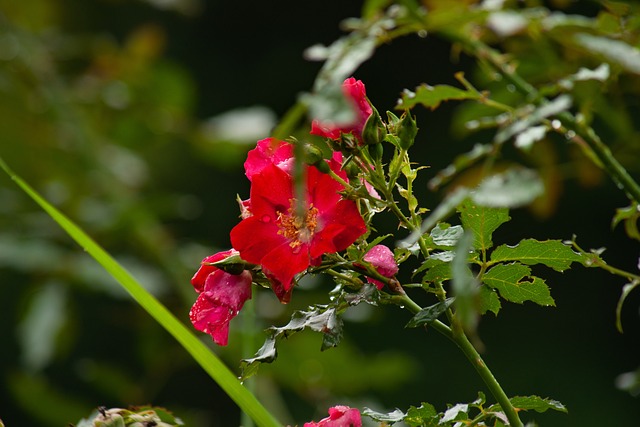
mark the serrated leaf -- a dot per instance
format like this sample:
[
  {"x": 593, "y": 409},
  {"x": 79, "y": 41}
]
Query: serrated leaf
[
  {"x": 323, "y": 319},
  {"x": 391, "y": 417},
  {"x": 423, "y": 416},
  {"x": 482, "y": 221},
  {"x": 429, "y": 314},
  {"x": 432, "y": 96},
  {"x": 438, "y": 273},
  {"x": 536, "y": 403},
  {"x": 552, "y": 253},
  {"x": 515, "y": 285},
  {"x": 511, "y": 189},
  {"x": 488, "y": 300}
]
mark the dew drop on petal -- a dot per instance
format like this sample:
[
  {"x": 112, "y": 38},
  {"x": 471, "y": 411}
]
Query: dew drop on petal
[{"x": 266, "y": 218}]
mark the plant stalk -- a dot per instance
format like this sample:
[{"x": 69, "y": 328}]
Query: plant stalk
[{"x": 458, "y": 336}]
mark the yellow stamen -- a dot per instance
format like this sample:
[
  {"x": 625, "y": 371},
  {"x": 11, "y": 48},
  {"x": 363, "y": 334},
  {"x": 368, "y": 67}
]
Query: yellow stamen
[{"x": 298, "y": 229}]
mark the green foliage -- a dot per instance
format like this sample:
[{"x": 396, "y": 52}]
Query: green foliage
[
  {"x": 482, "y": 221},
  {"x": 515, "y": 284},
  {"x": 432, "y": 96}
]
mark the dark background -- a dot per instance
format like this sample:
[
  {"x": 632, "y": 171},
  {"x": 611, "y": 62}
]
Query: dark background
[{"x": 222, "y": 56}]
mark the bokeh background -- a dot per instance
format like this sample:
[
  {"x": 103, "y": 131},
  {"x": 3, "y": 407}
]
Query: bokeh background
[{"x": 134, "y": 116}]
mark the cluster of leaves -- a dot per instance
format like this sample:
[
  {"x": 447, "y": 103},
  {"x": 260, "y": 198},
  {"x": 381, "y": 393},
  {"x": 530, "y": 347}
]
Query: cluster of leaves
[{"x": 475, "y": 413}]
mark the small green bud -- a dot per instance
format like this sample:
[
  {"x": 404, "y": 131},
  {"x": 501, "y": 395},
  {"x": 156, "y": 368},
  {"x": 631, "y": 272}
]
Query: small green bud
[
  {"x": 406, "y": 131},
  {"x": 374, "y": 130},
  {"x": 312, "y": 154}
]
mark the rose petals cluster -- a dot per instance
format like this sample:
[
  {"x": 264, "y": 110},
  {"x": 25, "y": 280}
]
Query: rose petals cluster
[
  {"x": 278, "y": 232},
  {"x": 285, "y": 236},
  {"x": 339, "y": 416},
  {"x": 222, "y": 295},
  {"x": 382, "y": 259},
  {"x": 355, "y": 93}
]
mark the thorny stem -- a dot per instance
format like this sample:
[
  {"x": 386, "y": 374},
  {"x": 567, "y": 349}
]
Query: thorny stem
[{"x": 460, "y": 339}]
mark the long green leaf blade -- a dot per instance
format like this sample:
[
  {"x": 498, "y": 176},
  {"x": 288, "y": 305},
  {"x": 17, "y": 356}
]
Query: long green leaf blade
[{"x": 198, "y": 350}]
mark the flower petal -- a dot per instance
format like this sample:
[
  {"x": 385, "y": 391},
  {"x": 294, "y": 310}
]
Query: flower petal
[
  {"x": 268, "y": 151},
  {"x": 254, "y": 237},
  {"x": 284, "y": 262}
]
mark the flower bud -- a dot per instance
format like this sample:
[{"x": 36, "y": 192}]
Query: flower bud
[
  {"x": 313, "y": 156},
  {"x": 406, "y": 131},
  {"x": 374, "y": 130}
]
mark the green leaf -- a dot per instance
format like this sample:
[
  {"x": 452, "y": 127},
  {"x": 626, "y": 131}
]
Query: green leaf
[
  {"x": 539, "y": 404},
  {"x": 391, "y": 417},
  {"x": 552, "y": 253},
  {"x": 429, "y": 314},
  {"x": 196, "y": 348},
  {"x": 488, "y": 300},
  {"x": 482, "y": 221},
  {"x": 423, "y": 416},
  {"x": 509, "y": 280},
  {"x": 511, "y": 189},
  {"x": 630, "y": 216},
  {"x": 432, "y": 96},
  {"x": 438, "y": 273},
  {"x": 323, "y": 319}
]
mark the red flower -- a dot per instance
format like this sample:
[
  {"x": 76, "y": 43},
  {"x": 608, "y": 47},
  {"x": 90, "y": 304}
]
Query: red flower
[
  {"x": 222, "y": 295},
  {"x": 355, "y": 92},
  {"x": 383, "y": 261},
  {"x": 284, "y": 242},
  {"x": 339, "y": 416},
  {"x": 269, "y": 151}
]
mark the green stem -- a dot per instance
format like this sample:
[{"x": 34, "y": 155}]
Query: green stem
[
  {"x": 615, "y": 170},
  {"x": 460, "y": 339}
]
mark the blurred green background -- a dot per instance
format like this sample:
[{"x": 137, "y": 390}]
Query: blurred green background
[{"x": 134, "y": 117}]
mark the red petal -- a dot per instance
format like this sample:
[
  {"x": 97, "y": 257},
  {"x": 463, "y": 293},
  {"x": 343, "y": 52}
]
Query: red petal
[
  {"x": 211, "y": 318},
  {"x": 230, "y": 290},
  {"x": 271, "y": 192},
  {"x": 203, "y": 272},
  {"x": 254, "y": 238},
  {"x": 284, "y": 262},
  {"x": 268, "y": 151}
]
